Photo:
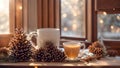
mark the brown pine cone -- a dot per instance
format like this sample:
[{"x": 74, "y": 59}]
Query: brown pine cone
[
  {"x": 98, "y": 51},
  {"x": 39, "y": 54},
  {"x": 97, "y": 44},
  {"x": 4, "y": 51},
  {"x": 47, "y": 57},
  {"x": 112, "y": 53},
  {"x": 50, "y": 53}
]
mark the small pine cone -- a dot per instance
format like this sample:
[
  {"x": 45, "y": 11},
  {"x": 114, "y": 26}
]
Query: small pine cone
[
  {"x": 5, "y": 51},
  {"x": 59, "y": 56},
  {"x": 97, "y": 44},
  {"x": 98, "y": 51},
  {"x": 39, "y": 54},
  {"x": 112, "y": 53},
  {"x": 91, "y": 48},
  {"x": 47, "y": 57}
]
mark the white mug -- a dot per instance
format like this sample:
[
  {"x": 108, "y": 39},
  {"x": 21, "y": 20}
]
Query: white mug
[{"x": 46, "y": 34}]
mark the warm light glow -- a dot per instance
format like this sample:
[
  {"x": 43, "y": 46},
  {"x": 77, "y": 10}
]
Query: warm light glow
[
  {"x": 74, "y": 27},
  {"x": 1, "y": 7},
  {"x": 75, "y": 14},
  {"x": 65, "y": 29},
  {"x": 20, "y": 7},
  {"x": 112, "y": 27},
  {"x": 64, "y": 15},
  {"x": 118, "y": 17},
  {"x": 104, "y": 13},
  {"x": 7, "y": 24},
  {"x": 76, "y": 0},
  {"x": 1, "y": 27},
  {"x": 101, "y": 21},
  {"x": 36, "y": 67},
  {"x": 33, "y": 64}
]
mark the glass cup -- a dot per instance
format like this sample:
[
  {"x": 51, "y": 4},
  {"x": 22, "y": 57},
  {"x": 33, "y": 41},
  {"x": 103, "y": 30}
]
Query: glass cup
[{"x": 72, "y": 49}]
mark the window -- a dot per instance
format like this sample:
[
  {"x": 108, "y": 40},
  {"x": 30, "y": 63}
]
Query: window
[
  {"x": 109, "y": 26},
  {"x": 106, "y": 17},
  {"x": 8, "y": 19},
  {"x": 73, "y": 18},
  {"x": 4, "y": 17}
]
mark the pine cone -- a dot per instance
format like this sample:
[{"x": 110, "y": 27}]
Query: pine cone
[
  {"x": 40, "y": 54},
  {"x": 112, "y": 53},
  {"x": 4, "y": 51},
  {"x": 50, "y": 53},
  {"x": 97, "y": 44},
  {"x": 59, "y": 56},
  {"x": 97, "y": 49},
  {"x": 47, "y": 57},
  {"x": 20, "y": 47}
]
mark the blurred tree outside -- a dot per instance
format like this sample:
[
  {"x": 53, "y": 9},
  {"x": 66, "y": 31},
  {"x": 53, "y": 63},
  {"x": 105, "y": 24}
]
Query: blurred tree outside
[
  {"x": 4, "y": 16},
  {"x": 73, "y": 18},
  {"x": 109, "y": 26}
]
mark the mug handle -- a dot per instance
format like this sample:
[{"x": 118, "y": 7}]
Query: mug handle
[
  {"x": 82, "y": 51},
  {"x": 29, "y": 38}
]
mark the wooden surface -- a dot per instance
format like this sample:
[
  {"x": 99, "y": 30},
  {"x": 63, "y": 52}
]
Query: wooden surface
[
  {"x": 103, "y": 63},
  {"x": 107, "y": 4},
  {"x": 12, "y": 15}
]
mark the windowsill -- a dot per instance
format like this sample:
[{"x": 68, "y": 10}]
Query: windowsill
[
  {"x": 110, "y": 40},
  {"x": 112, "y": 44},
  {"x": 108, "y": 61}
]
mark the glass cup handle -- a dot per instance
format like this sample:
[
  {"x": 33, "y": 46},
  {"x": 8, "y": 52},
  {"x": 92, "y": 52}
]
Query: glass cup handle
[
  {"x": 82, "y": 51},
  {"x": 83, "y": 46}
]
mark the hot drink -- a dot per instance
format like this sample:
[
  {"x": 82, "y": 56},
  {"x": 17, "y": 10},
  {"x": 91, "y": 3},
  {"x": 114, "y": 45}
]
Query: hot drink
[{"x": 72, "y": 49}]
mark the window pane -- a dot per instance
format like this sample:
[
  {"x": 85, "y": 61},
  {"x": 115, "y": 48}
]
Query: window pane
[
  {"x": 4, "y": 16},
  {"x": 73, "y": 18},
  {"x": 109, "y": 26}
]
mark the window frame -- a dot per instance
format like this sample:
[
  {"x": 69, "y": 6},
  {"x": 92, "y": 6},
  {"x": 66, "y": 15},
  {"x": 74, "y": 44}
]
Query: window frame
[
  {"x": 14, "y": 21},
  {"x": 4, "y": 38},
  {"x": 111, "y": 9}
]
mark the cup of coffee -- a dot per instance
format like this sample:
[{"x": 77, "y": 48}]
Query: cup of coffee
[{"x": 72, "y": 49}]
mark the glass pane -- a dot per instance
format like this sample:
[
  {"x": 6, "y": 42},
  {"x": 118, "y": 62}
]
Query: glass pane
[
  {"x": 109, "y": 26},
  {"x": 73, "y": 18},
  {"x": 4, "y": 16}
]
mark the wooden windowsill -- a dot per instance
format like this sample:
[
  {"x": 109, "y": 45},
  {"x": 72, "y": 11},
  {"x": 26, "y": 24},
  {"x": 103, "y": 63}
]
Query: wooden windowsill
[{"x": 104, "y": 62}]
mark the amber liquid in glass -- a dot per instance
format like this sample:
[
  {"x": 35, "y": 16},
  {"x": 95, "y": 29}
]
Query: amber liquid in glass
[{"x": 72, "y": 51}]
